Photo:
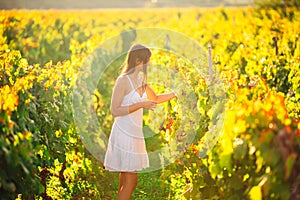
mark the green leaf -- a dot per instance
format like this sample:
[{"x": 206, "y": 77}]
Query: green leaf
[
  {"x": 288, "y": 166},
  {"x": 235, "y": 182},
  {"x": 240, "y": 150}
]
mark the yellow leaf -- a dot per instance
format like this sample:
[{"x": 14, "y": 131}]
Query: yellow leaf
[{"x": 255, "y": 193}]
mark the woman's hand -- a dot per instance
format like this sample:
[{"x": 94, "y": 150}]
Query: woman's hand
[
  {"x": 149, "y": 105},
  {"x": 174, "y": 95}
]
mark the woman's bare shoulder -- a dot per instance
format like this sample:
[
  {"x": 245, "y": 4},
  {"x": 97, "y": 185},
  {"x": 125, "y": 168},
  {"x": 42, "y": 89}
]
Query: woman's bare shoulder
[
  {"x": 121, "y": 79},
  {"x": 122, "y": 82}
]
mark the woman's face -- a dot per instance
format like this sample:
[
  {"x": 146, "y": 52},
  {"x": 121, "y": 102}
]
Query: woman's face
[
  {"x": 141, "y": 66},
  {"x": 148, "y": 63}
]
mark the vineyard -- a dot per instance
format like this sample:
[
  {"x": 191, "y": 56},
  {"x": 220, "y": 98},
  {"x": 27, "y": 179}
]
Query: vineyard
[{"x": 253, "y": 154}]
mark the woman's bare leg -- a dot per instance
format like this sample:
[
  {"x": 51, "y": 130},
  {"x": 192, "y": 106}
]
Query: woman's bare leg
[
  {"x": 128, "y": 182},
  {"x": 121, "y": 177}
]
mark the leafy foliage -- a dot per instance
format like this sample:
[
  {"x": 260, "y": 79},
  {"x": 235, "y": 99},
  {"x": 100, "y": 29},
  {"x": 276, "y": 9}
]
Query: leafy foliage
[{"x": 256, "y": 53}]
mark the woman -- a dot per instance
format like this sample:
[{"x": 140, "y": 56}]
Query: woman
[{"x": 126, "y": 152}]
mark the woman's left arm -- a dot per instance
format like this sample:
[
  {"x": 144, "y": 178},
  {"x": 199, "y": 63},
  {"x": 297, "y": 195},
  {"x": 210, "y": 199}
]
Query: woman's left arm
[{"x": 158, "y": 98}]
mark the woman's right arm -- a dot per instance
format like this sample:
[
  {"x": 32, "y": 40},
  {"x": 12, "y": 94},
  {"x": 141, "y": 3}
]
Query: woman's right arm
[{"x": 117, "y": 97}]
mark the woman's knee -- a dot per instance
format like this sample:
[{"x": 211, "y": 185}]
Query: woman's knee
[{"x": 131, "y": 180}]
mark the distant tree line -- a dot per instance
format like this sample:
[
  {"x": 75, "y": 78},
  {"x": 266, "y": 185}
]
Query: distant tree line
[{"x": 277, "y": 4}]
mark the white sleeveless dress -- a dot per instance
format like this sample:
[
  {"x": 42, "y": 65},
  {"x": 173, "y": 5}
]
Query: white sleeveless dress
[{"x": 126, "y": 150}]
